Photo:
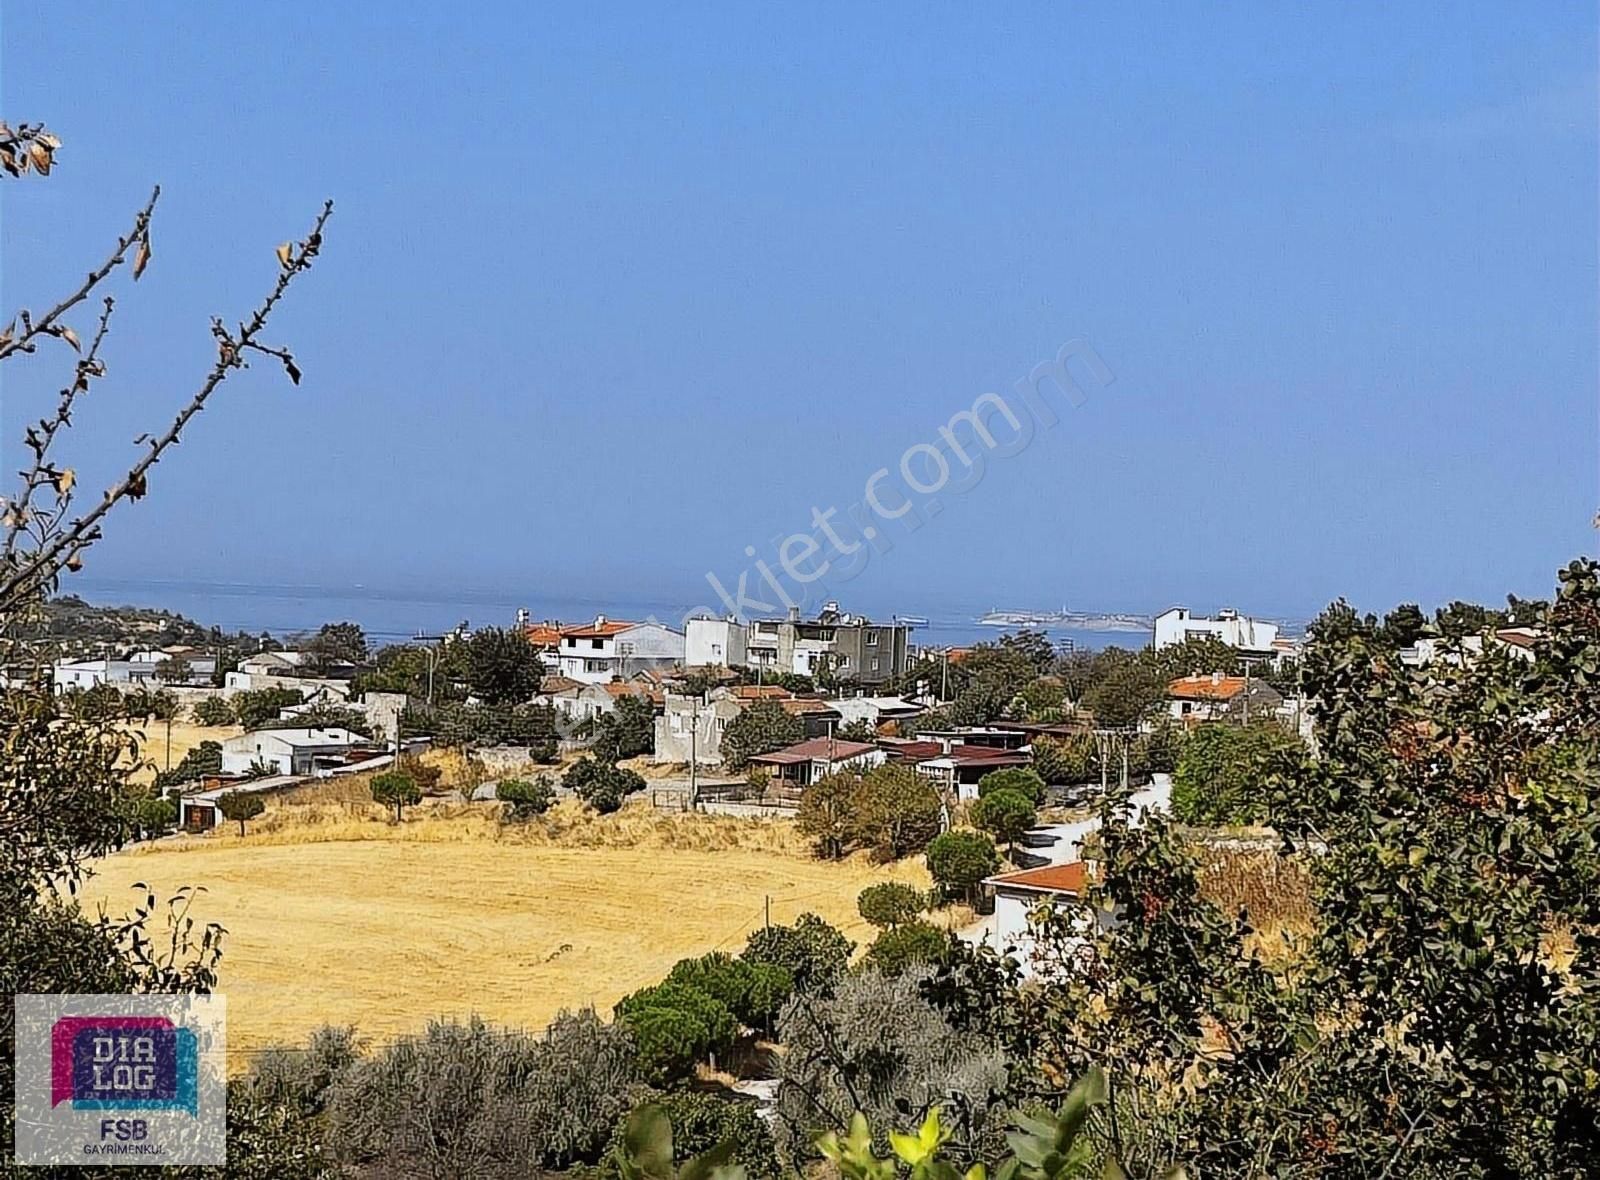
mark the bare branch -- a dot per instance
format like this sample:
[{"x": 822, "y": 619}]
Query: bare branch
[
  {"x": 49, "y": 324},
  {"x": 62, "y": 549}
]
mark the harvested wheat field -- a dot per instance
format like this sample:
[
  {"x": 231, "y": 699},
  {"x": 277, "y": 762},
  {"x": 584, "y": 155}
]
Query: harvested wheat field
[
  {"x": 334, "y": 915},
  {"x": 154, "y": 752}
]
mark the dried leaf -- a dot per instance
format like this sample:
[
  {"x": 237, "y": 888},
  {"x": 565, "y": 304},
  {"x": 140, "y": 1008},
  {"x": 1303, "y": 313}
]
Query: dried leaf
[
  {"x": 64, "y": 481},
  {"x": 284, "y": 255},
  {"x": 49, "y": 140},
  {"x": 292, "y": 369},
  {"x": 71, "y": 338},
  {"x": 141, "y": 257},
  {"x": 8, "y": 159},
  {"x": 74, "y": 563},
  {"x": 40, "y": 155},
  {"x": 137, "y": 488}
]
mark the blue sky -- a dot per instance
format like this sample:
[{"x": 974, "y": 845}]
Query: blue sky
[{"x": 608, "y": 298}]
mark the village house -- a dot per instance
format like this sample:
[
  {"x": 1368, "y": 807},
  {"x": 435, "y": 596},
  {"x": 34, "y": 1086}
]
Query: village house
[
  {"x": 714, "y": 643},
  {"x": 875, "y": 711},
  {"x": 1215, "y": 697},
  {"x": 612, "y": 649},
  {"x": 955, "y": 767},
  {"x": 1018, "y": 895},
  {"x": 804, "y": 763},
  {"x": 848, "y": 646},
  {"x": 690, "y": 726},
  {"x": 291, "y": 751}
]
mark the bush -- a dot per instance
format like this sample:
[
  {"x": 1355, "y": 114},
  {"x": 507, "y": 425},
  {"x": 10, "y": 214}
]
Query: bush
[
  {"x": 701, "y": 1122},
  {"x": 397, "y": 789},
  {"x": 302, "y": 1078},
  {"x": 527, "y": 799},
  {"x": 759, "y": 729},
  {"x": 811, "y": 951},
  {"x": 890, "y": 903},
  {"x": 461, "y": 1097},
  {"x": 212, "y": 711},
  {"x": 904, "y": 946},
  {"x": 154, "y": 816},
  {"x": 426, "y": 775},
  {"x": 1019, "y": 779},
  {"x": 204, "y": 759},
  {"x": 601, "y": 785},
  {"x": 958, "y": 861}
]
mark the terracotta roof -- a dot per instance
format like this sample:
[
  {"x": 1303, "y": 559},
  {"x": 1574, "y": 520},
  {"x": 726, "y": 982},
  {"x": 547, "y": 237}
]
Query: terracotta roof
[
  {"x": 1206, "y": 688},
  {"x": 553, "y": 683},
  {"x": 596, "y": 630},
  {"x": 806, "y": 706},
  {"x": 817, "y": 749},
  {"x": 628, "y": 688},
  {"x": 543, "y": 634},
  {"x": 1067, "y": 878},
  {"x": 1523, "y": 637},
  {"x": 762, "y": 692},
  {"x": 913, "y": 751}
]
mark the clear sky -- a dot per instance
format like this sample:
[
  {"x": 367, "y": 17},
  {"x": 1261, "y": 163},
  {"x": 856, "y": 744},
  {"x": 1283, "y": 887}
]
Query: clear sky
[{"x": 608, "y": 298}]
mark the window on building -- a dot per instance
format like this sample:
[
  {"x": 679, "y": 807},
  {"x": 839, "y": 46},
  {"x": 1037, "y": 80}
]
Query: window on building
[
  {"x": 874, "y": 663},
  {"x": 597, "y": 644},
  {"x": 872, "y": 639},
  {"x": 595, "y": 665}
]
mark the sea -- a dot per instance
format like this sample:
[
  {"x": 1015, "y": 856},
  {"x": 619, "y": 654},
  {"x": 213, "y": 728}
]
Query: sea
[{"x": 395, "y": 616}]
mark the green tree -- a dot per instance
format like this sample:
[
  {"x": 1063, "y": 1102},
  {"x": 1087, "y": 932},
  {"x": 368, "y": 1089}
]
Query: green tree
[
  {"x": 1005, "y": 815},
  {"x": 859, "y": 730},
  {"x": 890, "y": 903},
  {"x": 896, "y": 811},
  {"x": 676, "y": 1026},
  {"x": 701, "y": 1123},
  {"x": 213, "y": 711},
  {"x": 154, "y": 815},
  {"x": 1404, "y": 625},
  {"x": 397, "y": 789},
  {"x": 1069, "y": 760},
  {"x": 826, "y": 815},
  {"x": 753, "y": 992},
  {"x": 627, "y": 731},
  {"x": 907, "y": 945},
  {"x": 335, "y": 643},
  {"x": 959, "y": 861},
  {"x": 1225, "y": 773},
  {"x": 602, "y": 785},
  {"x": 1460, "y": 619},
  {"x": 1131, "y": 686},
  {"x": 258, "y": 708},
  {"x": 241, "y": 806},
  {"x": 1020, "y": 779},
  {"x": 174, "y": 670},
  {"x": 759, "y": 729},
  {"x": 814, "y": 953},
  {"x": 527, "y": 798},
  {"x": 502, "y": 667},
  {"x": 204, "y": 759}
]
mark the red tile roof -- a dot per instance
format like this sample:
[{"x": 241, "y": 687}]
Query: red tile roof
[
  {"x": 1067, "y": 878},
  {"x": 806, "y": 706},
  {"x": 597, "y": 630},
  {"x": 543, "y": 634},
  {"x": 1206, "y": 688},
  {"x": 966, "y": 755},
  {"x": 913, "y": 751},
  {"x": 815, "y": 749},
  {"x": 768, "y": 692}
]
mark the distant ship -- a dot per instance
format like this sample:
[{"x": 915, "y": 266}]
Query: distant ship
[{"x": 1071, "y": 619}]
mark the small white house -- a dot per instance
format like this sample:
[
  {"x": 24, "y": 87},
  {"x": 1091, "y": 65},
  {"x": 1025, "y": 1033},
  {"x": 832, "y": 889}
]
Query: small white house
[
  {"x": 289, "y": 751},
  {"x": 1017, "y": 895},
  {"x": 714, "y": 643}
]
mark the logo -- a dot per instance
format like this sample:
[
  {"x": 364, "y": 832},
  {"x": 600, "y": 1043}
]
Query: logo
[
  {"x": 124, "y": 1063},
  {"x": 120, "y": 1079}
]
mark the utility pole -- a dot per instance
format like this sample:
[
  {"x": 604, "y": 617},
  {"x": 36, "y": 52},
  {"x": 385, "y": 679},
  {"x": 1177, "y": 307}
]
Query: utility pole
[
  {"x": 694, "y": 753},
  {"x": 769, "y": 911}
]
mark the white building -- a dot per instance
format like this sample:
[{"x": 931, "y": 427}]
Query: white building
[
  {"x": 289, "y": 751},
  {"x": 610, "y": 649},
  {"x": 1017, "y": 895},
  {"x": 717, "y": 643},
  {"x": 1236, "y": 630},
  {"x": 86, "y": 674}
]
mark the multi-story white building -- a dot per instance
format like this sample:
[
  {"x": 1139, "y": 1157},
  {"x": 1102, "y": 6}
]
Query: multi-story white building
[
  {"x": 611, "y": 649},
  {"x": 1236, "y": 630},
  {"x": 714, "y": 643}
]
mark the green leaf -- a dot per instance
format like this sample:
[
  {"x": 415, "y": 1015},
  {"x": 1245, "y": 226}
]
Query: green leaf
[
  {"x": 648, "y": 1142},
  {"x": 704, "y": 1165}
]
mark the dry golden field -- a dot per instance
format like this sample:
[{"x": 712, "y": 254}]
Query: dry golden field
[
  {"x": 152, "y": 736},
  {"x": 334, "y": 915}
]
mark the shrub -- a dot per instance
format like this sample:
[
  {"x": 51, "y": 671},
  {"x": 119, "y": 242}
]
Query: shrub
[
  {"x": 241, "y": 806},
  {"x": 462, "y": 1099},
  {"x": 302, "y": 1078},
  {"x": 204, "y": 759},
  {"x": 913, "y": 942},
  {"x": 602, "y": 785},
  {"x": 876, "y": 1045},
  {"x": 213, "y": 711},
  {"x": 426, "y": 775},
  {"x": 1019, "y": 779},
  {"x": 397, "y": 789},
  {"x": 827, "y": 813},
  {"x": 701, "y": 1122},
  {"x": 759, "y": 729},
  {"x": 958, "y": 861},
  {"x": 811, "y": 951},
  {"x": 527, "y": 799},
  {"x": 259, "y": 707},
  {"x": 154, "y": 815},
  {"x": 890, "y": 903}
]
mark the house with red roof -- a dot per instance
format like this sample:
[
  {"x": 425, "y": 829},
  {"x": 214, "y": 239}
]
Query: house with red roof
[
  {"x": 804, "y": 763},
  {"x": 1215, "y": 697},
  {"x": 614, "y": 649},
  {"x": 1018, "y": 895}
]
